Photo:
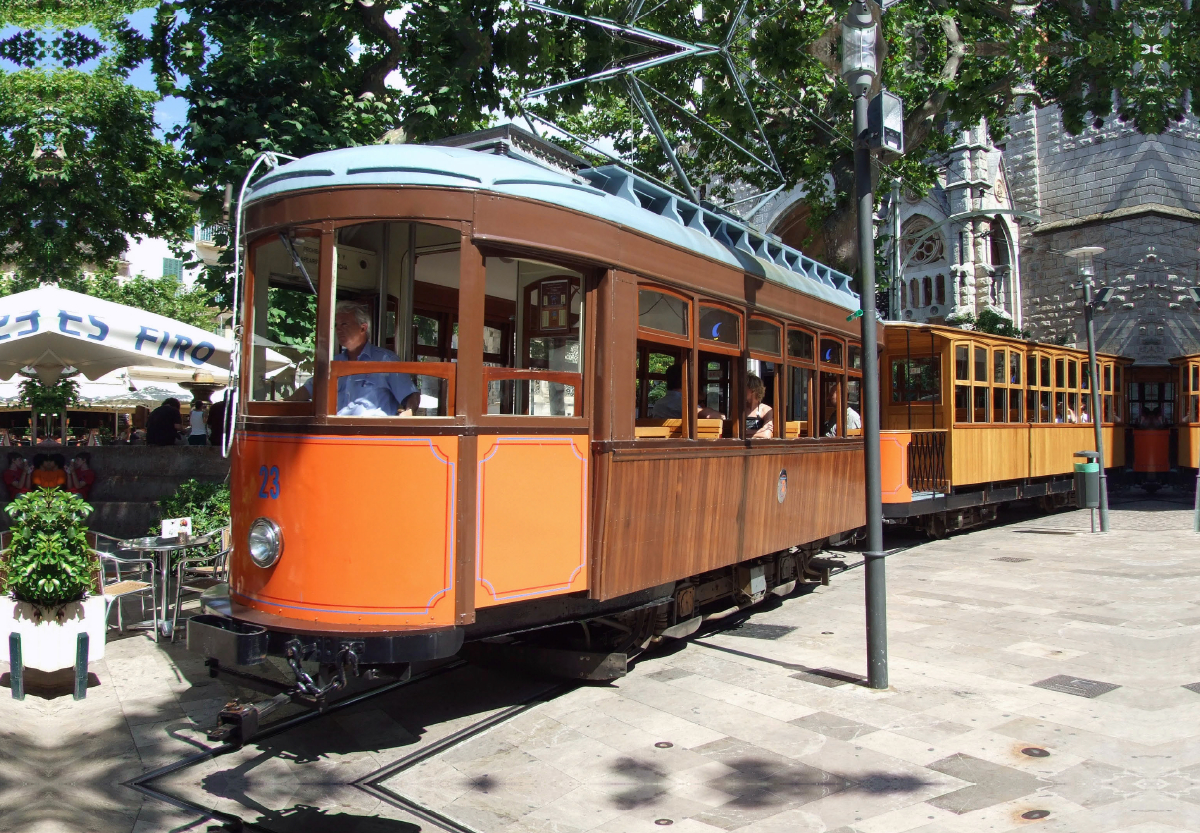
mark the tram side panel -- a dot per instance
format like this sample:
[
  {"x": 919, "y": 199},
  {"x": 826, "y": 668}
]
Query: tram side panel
[
  {"x": 673, "y": 514},
  {"x": 368, "y": 527}
]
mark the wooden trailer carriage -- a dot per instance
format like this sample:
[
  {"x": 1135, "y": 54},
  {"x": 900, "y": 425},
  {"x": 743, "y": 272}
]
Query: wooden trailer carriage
[
  {"x": 972, "y": 420},
  {"x": 538, "y": 303}
]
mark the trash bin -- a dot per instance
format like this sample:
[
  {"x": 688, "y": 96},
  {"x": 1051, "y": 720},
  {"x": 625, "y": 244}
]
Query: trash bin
[{"x": 1087, "y": 485}]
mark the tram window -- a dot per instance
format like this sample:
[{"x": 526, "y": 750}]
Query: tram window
[
  {"x": 1031, "y": 371},
  {"x": 855, "y": 357},
  {"x": 799, "y": 395},
  {"x": 998, "y": 367},
  {"x": 1045, "y": 375},
  {"x": 999, "y": 404},
  {"x": 656, "y": 378},
  {"x": 831, "y": 418},
  {"x": 1014, "y": 404},
  {"x": 1195, "y": 377},
  {"x": 1014, "y": 368},
  {"x": 715, "y": 386},
  {"x": 533, "y": 316},
  {"x": 831, "y": 351},
  {"x": 1108, "y": 408},
  {"x": 1044, "y": 413},
  {"x": 981, "y": 356},
  {"x": 1193, "y": 409},
  {"x": 962, "y": 363},
  {"x": 800, "y": 345},
  {"x": 1072, "y": 407},
  {"x": 962, "y": 403},
  {"x": 663, "y": 312},
  {"x": 1060, "y": 376},
  {"x": 1107, "y": 378},
  {"x": 1060, "y": 407},
  {"x": 284, "y": 268},
  {"x": 917, "y": 380},
  {"x": 1085, "y": 376},
  {"x": 768, "y": 374},
  {"x": 763, "y": 337},
  {"x": 853, "y": 407},
  {"x": 1031, "y": 406},
  {"x": 981, "y": 404},
  {"x": 720, "y": 325},
  {"x": 1073, "y": 374}
]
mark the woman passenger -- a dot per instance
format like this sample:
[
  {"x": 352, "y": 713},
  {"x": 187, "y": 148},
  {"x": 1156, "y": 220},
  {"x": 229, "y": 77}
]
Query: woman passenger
[{"x": 760, "y": 418}]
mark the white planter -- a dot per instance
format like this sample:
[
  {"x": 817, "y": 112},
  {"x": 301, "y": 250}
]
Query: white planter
[{"x": 49, "y": 644}]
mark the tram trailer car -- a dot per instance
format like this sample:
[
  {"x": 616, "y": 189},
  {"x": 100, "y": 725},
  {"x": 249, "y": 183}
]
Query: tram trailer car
[
  {"x": 972, "y": 421},
  {"x": 1164, "y": 436},
  {"x": 542, "y": 478}
]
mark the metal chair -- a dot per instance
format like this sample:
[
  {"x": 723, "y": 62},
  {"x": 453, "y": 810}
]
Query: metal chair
[
  {"x": 122, "y": 585},
  {"x": 197, "y": 573}
]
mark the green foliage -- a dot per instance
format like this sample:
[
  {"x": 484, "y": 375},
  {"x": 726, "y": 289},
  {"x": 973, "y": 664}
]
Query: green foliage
[
  {"x": 49, "y": 562},
  {"x": 207, "y": 504},
  {"x": 49, "y": 399},
  {"x": 990, "y": 322}
]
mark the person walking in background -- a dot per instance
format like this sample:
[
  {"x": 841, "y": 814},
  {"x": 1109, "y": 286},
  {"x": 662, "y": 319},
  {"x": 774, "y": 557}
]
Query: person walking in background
[
  {"x": 164, "y": 423},
  {"x": 216, "y": 423},
  {"x": 197, "y": 423}
]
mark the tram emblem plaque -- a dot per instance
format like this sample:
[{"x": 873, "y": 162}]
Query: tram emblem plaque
[{"x": 781, "y": 489}]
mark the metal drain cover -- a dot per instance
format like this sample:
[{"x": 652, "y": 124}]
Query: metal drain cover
[
  {"x": 1012, "y": 560},
  {"x": 755, "y": 630},
  {"x": 1076, "y": 686}
]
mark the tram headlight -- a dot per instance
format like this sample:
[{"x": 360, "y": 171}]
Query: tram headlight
[{"x": 266, "y": 542}]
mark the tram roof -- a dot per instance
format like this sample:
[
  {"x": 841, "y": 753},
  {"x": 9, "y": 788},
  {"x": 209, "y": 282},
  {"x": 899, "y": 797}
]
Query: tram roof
[{"x": 610, "y": 193}]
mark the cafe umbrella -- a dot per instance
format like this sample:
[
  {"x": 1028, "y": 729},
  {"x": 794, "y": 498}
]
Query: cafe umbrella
[{"x": 51, "y": 332}]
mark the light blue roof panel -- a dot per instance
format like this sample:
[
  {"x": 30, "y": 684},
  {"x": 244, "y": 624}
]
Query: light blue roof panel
[{"x": 610, "y": 193}]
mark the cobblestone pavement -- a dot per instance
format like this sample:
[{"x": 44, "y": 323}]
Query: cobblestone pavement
[{"x": 1039, "y": 676}]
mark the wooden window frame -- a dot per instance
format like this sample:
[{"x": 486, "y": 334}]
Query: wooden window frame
[
  {"x": 709, "y": 346},
  {"x": 845, "y": 353},
  {"x": 660, "y": 336},
  {"x": 780, "y": 381},
  {"x": 796, "y": 360},
  {"x": 789, "y": 361}
]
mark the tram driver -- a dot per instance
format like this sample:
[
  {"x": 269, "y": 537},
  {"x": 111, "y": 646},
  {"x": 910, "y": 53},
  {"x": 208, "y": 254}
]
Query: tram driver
[{"x": 372, "y": 394}]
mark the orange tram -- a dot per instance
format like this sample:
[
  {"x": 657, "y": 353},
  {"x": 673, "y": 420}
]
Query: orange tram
[{"x": 509, "y": 450}]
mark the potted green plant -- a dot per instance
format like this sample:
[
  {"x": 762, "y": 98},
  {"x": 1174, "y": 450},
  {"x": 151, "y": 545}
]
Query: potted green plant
[{"x": 51, "y": 577}]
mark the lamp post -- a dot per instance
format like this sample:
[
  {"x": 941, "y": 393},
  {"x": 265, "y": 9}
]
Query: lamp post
[
  {"x": 1083, "y": 257},
  {"x": 1195, "y": 293},
  {"x": 859, "y": 34}
]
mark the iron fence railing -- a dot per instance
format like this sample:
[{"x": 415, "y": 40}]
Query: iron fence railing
[
  {"x": 208, "y": 234},
  {"x": 927, "y": 461}
]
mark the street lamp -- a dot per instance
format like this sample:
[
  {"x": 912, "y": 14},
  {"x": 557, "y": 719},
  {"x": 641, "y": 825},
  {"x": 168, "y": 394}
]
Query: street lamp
[
  {"x": 1083, "y": 257},
  {"x": 859, "y": 35}
]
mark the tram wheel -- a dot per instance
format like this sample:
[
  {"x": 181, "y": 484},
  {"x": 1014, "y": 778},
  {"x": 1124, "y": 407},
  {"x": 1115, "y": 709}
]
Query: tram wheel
[{"x": 936, "y": 526}]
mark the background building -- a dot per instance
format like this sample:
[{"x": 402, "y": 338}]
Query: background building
[{"x": 1138, "y": 197}]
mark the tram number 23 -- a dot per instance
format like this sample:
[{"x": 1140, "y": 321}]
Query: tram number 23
[{"x": 270, "y": 482}]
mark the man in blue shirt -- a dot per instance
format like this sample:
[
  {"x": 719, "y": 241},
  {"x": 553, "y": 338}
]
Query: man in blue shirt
[{"x": 371, "y": 394}]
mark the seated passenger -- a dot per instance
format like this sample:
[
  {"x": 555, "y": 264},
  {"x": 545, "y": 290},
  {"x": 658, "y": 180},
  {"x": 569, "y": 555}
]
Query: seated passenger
[
  {"x": 760, "y": 418},
  {"x": 671, "y": 405},
  {"x": 372, "y": 394},
  {"x": 47, "y": 472},
  {"x": 1084, "y": 416},
  {"x": 1071, "y": 416},
  {"x": 17, "y": 476},
  {"x": 80, "y": 477}
]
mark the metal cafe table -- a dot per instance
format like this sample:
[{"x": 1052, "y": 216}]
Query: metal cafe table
[{"x": 160, "y": 549}]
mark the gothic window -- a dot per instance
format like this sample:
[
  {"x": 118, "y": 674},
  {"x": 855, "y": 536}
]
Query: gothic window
[
  {"x": 941, "y": 290},
  {"x": 903, "y": 295},
  {"x": 926, "y": 251},
  {"x": 914, "y": 292},
  {"x": 928, "y": 296}
]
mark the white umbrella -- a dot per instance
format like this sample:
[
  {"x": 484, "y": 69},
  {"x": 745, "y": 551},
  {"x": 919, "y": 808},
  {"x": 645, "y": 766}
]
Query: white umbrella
[{"x": 50, "y": 329}]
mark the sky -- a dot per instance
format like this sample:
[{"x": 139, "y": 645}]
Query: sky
[{"x": 169, "y": 113}]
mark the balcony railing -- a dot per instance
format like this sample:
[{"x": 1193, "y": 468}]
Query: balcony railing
[{"x": 208, "y": 234}]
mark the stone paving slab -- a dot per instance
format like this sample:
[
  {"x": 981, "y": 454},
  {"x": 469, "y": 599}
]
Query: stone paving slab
[{"x": 759, "y": 725}]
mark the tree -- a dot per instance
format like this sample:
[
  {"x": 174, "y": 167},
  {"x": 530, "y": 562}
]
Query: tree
[
  {"x": 80, "y": 167},
  {"x": 989, "y": 321},
  {"x": 306, "y": 75}
]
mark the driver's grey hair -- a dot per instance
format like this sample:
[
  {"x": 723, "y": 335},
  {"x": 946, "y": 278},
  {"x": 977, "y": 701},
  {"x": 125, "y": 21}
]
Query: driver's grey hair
[{"x": 361, "y": 314}]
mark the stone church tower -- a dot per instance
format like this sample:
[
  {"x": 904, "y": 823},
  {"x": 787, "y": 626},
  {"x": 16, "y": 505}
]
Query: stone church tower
[{"x": 1138, "y": 197}]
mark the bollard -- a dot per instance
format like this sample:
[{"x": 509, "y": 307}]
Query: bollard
[
  {"x": 16, "y": 668},
  {"x": 81, "y": 665}
]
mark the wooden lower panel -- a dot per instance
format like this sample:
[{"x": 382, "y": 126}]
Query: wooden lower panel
[
  {"x": 1114, "y": 445},
  {"x": 531, "y": 517},
  {"x": 666, "y": 519},
  {"x": 1151, "y": 450},
  {"x": 893, "y": 464},
  {"x": 1189, "y": 446},
  {"x": 988, "y": 453},
  {"x": 1052, "y": 447}
]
